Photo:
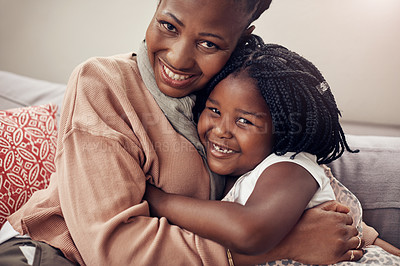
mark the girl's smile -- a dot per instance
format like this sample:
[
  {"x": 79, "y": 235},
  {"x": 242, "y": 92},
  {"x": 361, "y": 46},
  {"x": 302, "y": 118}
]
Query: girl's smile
[{"x": 220, "y": 149}]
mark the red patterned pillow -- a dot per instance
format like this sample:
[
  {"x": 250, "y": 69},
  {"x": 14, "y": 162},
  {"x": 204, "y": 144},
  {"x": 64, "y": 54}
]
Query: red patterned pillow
[{"x": 27, "y": 150}]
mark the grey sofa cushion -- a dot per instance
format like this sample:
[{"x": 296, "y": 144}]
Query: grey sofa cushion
[
  {"x": 20, "y": 91},
  {"x": 373, "y": 175}
]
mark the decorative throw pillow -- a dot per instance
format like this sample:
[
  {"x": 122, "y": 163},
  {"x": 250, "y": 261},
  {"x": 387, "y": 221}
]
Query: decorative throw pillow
[{"x": 27, "y": 150}]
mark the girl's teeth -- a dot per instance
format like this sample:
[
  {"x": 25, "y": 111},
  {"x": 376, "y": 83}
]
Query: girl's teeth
[
  {"x": 174, "y": 76},
  {"x": 219, "y": 149}
]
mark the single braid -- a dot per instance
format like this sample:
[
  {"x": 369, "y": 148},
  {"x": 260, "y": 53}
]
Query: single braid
[{"x": 303, "y": 109}]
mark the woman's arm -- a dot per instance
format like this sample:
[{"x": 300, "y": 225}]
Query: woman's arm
[{"x": 274, "y": 207}]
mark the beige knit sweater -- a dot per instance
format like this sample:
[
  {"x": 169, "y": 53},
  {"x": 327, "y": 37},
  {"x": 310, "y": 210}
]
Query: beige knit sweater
[{"x": 112, "y": 138}]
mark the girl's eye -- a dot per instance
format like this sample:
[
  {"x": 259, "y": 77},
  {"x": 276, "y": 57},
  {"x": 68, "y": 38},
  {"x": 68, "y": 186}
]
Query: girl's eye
[
  {"x": 214, "y": 110},
  {"x": 168, "y": 26},
  {"x": 244, "y": 121},
  {"x": 208, "y": 45}
]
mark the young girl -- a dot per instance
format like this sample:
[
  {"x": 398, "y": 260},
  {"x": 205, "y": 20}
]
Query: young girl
[{"x": 269, "y": 110}]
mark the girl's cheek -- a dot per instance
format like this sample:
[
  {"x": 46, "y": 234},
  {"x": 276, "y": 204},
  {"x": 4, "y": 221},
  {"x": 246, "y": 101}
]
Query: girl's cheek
[{"x": 202, "y": 125}]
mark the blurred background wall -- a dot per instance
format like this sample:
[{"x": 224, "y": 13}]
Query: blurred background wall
[{"x": 355, "y": 44}]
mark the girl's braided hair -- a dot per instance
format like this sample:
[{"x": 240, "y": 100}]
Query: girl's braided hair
[{"x": 303, "y": 109}]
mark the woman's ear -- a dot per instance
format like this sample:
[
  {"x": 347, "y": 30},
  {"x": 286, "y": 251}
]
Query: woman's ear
[{"x": 248, "y": 31}]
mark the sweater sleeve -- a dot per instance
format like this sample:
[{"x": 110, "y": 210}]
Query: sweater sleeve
[
  {"x": 101, "y": 179},
  {"x": 369, "y": 234}
]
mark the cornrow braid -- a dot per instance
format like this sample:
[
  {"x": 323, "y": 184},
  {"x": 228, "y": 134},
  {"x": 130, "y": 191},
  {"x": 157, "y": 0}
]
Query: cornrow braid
[{"x": 303, "y": 109}]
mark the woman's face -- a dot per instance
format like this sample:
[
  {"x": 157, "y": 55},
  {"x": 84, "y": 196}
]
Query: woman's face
[
  {"x": 236, "y": 126},
  {"x": 189, "y": 41}
]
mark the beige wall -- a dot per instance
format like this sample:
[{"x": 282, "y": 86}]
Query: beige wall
[{"x": 355, "y": 43}]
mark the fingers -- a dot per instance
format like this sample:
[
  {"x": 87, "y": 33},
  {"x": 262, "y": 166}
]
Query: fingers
[
  {"x": 360, "y": 242},
  {"x": 349, "y": 221},
  {"x": 342, "y": 208},
  {"x": 355, "y": 242},
  {"x": 355, "y": 251},
  {"x": 335, "y": 206},
  {"x": 346, "y": 219},
  {"x": 353, "y": 255}
]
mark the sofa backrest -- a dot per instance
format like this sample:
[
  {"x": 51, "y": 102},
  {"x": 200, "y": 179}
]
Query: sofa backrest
[{"x": 373, "y": 175}]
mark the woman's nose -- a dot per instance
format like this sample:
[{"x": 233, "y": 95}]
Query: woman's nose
[{"x": 181, "y": 55}]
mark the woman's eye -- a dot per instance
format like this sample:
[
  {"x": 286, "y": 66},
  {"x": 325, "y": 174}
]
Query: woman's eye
[
  {"x": 208, "y": 45},
  {"x": 168, "y": 26}
]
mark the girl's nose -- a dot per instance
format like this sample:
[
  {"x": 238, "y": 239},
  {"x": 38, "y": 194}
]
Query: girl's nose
[
  {"x": 222, "y": 130},
  {"x": 181, "y": 55}
]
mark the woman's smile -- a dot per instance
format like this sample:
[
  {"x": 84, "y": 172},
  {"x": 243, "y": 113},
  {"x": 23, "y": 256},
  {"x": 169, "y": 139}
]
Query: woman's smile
[{"x": 175, "y": 79}]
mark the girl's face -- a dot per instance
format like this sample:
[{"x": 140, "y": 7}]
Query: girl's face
[
  {"x": 189, "y": 41},
  {"x": 236, "y": 126}
]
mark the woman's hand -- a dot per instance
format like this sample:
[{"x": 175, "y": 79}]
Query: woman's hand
[{"x": 323, "y": 235}]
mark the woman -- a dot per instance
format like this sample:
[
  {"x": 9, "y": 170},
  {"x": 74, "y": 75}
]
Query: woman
[{"x": 127, "y": 120}]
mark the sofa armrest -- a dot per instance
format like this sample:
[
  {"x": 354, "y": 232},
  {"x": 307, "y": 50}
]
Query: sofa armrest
[
  {"x": 20, "y": 91},
  {"x": 373, "y": 175}
]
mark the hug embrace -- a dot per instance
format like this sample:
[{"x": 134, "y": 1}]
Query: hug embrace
[{"x": 253, "y": 123}]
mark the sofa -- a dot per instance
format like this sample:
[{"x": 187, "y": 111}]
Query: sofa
[{"x": 373, "y": 174}]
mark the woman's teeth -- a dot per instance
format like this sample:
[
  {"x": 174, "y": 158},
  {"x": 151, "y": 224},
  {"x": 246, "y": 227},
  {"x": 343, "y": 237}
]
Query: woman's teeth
[
  {"x": 219, "y": 149},
  {"x": 175, "y": 76}
]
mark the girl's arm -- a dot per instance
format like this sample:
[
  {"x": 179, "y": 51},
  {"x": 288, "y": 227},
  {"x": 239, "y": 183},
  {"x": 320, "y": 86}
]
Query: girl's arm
[{"x": 277, "y": 202}]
